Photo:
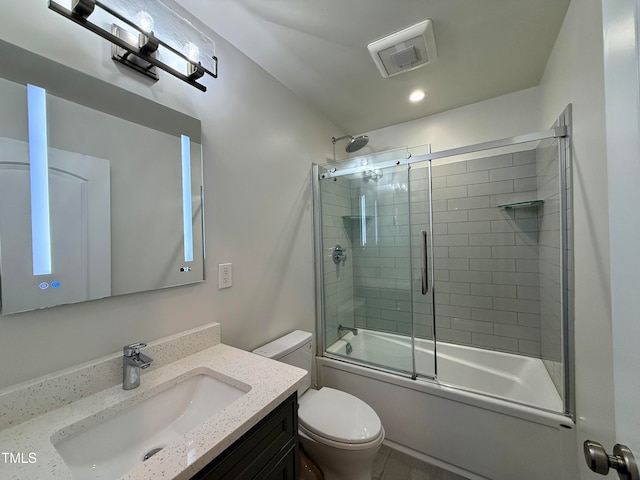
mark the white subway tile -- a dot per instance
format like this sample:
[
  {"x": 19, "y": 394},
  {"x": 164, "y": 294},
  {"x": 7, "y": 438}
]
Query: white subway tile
[
  {"x": 491, "y": 290},
  {"x": 448, "y": 169},
  {"x": 469, "y": 227},
  {"x": 516, "y": 331},
  {"x": 511, "y": 225},
  {"x": 509, "y": 278},
  {"x": 489, "y": 163},
  {"x": 453, "y": 287},
  {"x": 529, "y": 293},
  {"x": 468, "y": 203},
  {"x": 471, "y": 277},
  {"x": 483, "y": 214},
  {"x": 492, "y": 239},
  {"x": 518, "y": 252},
  {"x": 467, "y": 178},
  {"x": 529, "y": 319},
  {"x": 494, "y": 316},
  {"x": 501, "y": 343},
  {"x": 491, "y": 188},
  {"x": 449, "y": 192},
  {"x": 451, "y": 263},
  {"x": 471, "y": 325},
  {"x": 522, "y": 158},
  {"x": 510, "y": 173},
  {"x": 449, "y": 240},
  {"x": 513, "y": 305},
  {"x": 529, "y": 347},
  {"x": 452, "y": 216},
  {"x": 469, "y": 252},
  {"x": 494, "y": 264}
]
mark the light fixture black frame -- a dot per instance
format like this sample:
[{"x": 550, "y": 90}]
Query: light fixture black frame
[{"x": 84, "y": 8}]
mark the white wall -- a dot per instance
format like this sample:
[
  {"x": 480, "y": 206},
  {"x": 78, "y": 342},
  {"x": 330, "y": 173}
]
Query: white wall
[
  {"x": 622, "y": 93},
  {"x": 574, "y": 74},
  {"x": 259, "y": 141},
  {"x": 501, "y": 117}
]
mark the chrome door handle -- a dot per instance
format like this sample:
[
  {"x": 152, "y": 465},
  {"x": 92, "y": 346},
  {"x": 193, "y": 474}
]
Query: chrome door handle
[
  {"x": 600, "y": 461},
  {"x": 424, "y": 263}
]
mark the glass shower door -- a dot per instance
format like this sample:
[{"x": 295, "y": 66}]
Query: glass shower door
[
  {"x": 366, "y": 246},
  {"x": 423, "y": 267},
  {"x": 493, "y": 220}
]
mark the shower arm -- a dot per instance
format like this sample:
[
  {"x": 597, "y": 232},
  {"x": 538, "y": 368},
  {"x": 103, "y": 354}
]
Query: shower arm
[
  {"x": 355, "y": 144},
  {"x": 334, "y": 140}
]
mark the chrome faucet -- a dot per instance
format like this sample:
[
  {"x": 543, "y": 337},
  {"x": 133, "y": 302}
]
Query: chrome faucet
[
  {"x": 132, "y": 362},
  {"x": 348, "y": 329}
]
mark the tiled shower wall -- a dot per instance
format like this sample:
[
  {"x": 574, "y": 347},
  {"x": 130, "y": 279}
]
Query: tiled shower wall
[
  {"x": 338, "y": 278},
  {"x": 381, "y": 270},
  {"x": 486, "y": 257}
]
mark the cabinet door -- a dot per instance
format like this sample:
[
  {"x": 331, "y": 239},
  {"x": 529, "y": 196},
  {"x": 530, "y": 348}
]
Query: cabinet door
[
  {"x": 259, "y": 453},
  {"x": 285, "y": 468}
]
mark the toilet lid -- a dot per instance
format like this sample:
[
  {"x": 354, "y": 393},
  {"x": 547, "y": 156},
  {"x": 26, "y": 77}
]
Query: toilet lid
[{"x": 338, "y": 416}]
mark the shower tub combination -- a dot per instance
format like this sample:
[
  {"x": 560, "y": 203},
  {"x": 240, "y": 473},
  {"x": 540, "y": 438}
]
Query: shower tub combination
[{"x": 448, "y": 382}]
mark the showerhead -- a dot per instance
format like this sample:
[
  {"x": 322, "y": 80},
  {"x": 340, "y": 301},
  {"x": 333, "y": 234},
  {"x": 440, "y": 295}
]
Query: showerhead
[{"x": 355, "y": 143}]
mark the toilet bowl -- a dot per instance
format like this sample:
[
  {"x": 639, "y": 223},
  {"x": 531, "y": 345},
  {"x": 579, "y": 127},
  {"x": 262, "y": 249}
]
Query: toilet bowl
[{"x": 340, "y": 432}]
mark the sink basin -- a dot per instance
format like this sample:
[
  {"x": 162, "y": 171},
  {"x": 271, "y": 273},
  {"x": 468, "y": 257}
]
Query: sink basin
[{"x": 109, "y": 449}]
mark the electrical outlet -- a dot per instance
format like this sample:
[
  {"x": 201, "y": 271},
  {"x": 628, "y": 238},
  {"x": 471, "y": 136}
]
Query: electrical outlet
[{"x": 225, "y": 275}]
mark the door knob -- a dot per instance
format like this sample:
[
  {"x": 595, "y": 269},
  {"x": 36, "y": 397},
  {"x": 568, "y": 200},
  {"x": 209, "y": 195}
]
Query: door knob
[{"x": 600, "y": 461}]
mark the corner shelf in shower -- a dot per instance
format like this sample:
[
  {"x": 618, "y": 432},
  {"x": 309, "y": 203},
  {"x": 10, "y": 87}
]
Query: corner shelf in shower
[{"x": 528, "y": 203}]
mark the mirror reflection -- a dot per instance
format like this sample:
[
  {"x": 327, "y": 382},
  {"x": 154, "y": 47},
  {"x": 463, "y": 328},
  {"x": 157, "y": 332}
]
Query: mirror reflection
[{"x": 100, "y": 192}]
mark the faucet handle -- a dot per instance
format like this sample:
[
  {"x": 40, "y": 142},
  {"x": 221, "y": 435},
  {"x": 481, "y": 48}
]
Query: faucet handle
[{"x": 133, "y": 349}]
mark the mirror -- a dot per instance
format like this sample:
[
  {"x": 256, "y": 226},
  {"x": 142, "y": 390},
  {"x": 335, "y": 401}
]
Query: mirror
[{"x": 112, "y": 204}]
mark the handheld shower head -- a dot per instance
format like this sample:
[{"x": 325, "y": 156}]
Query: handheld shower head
[{"x": 355, "y": 143}]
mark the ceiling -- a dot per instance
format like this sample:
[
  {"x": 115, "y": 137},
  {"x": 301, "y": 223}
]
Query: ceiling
[{"x": 318, "y": 49}]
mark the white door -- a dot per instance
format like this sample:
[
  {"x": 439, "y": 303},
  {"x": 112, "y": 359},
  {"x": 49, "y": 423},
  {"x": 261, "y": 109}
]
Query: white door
[
  {"x": 80, "y": 230},
  {"x": 622, "y": 96}
]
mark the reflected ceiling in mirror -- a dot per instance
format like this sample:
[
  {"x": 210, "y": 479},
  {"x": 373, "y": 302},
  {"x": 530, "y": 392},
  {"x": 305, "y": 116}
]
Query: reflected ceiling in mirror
[{"x": 117, "y": 206}]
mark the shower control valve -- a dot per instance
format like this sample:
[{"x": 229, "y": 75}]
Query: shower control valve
[{"x": 338, "y": 255}]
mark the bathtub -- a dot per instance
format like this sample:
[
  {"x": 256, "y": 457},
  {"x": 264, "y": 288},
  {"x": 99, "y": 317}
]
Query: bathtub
[
  {"x": 511, "y": 377},
  {"x": 490, "y": 415}
]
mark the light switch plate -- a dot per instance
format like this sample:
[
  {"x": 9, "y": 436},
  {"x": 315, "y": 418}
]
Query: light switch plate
[{"x": 225, "y": 275}]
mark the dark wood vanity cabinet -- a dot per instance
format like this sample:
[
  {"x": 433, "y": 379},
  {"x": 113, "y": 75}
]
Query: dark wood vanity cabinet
[{"x": 269, "y": 451}]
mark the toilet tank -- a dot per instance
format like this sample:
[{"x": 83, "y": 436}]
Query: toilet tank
[{"x": 292, "y": 349}]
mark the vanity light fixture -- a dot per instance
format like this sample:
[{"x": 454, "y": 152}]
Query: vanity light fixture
[{"x": 140, "y": 50}]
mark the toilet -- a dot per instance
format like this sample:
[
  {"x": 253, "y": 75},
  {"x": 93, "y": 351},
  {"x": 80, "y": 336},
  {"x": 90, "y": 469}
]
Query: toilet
[{"x": 340, "y": 432}]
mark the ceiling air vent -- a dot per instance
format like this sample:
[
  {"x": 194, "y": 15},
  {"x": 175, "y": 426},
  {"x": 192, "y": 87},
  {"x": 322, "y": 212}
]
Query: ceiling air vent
[{"x": 405, "y": 50}]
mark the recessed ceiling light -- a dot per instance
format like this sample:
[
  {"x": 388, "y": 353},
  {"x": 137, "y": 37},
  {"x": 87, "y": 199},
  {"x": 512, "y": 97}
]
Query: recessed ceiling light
[{"x": 416, "y": 96}]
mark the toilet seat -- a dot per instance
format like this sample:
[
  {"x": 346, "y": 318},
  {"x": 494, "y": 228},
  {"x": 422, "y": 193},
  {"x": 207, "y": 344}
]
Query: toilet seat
[
  {"x": 338, "y": 419},
  {"x": 303, "y": 432}
]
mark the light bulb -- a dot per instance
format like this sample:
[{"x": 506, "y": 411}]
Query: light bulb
[
  {"x": 192, "y": 52},
  {"x": 145, "y": 21},
  {"x": 416, "y": 96}
]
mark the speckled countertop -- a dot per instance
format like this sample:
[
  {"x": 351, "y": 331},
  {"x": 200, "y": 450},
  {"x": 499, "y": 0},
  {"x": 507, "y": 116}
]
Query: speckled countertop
[{"x": 268, "y": 383}]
